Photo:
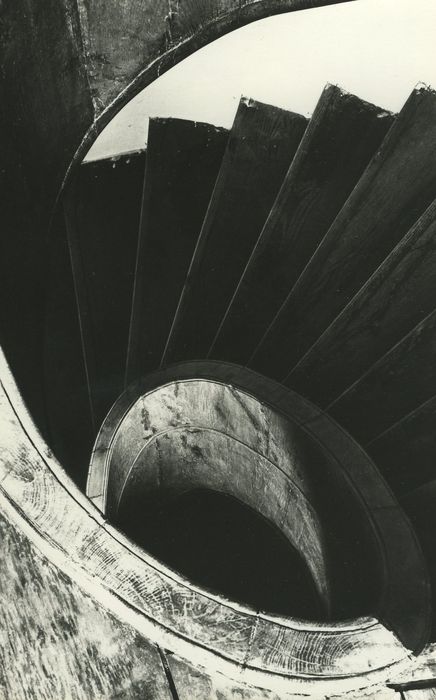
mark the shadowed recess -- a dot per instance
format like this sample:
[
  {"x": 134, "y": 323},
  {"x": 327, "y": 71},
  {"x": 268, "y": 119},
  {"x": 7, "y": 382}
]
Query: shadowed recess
[{"x": 223, "y": 545}]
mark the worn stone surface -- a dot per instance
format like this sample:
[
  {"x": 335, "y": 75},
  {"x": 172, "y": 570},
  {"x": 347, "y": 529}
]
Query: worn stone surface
[
  {"x": 196, "y": 683},
  {"x": 354, "y": 477},
  {"x": 56, "y": 642},
  {"x": 62, "y": 68},
  {"x": 204, "y": 434},
  {"x": 123, "y": 40},
  {"x": 419, "y": 682},
  {"x": 159, "y": 604},
  {"x": 203, "y": 404},
  {"x": 200, "y": 458}
]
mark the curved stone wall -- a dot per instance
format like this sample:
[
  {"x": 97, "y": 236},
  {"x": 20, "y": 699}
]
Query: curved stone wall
[
  {"x": 62, "y": 81},
  {"x": 151, "y": 406},
  {"x": 279, "y": 654},
  {"x": 200, "y": 433}
]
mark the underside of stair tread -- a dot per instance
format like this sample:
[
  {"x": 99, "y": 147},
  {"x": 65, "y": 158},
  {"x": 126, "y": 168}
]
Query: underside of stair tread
[
  {"x": 183, "y": 159},
  {"x": 262, "y": 143},
  {"x": 397, "y": 384},
  {"x": 396, "y": 188},
  {"x": 397, "y": 297},
  {"x": 24, "y": 253},
  {"x": 343, "y": 135},
  {"x": 71, "y": 424},
  {"x": 405, "y": 453},
  {"x": 102, "y": 214}
]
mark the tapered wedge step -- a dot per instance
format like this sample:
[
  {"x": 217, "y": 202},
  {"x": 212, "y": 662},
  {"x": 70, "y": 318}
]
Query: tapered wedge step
[
  {"x": 342, "y": 136},
  {"x": 396, "y": 188},
  {"x": 420, "y": 507},
  {"x": 396, "y": 385},
  {"x": 183, "y": 160},
  {"x": 68, "y": 401},
  {"x": 102, "y": 214},
  {"x": 405, "y": 452},
  {"x": 261, "y": 146},
  {"x": 23, "y": 265},
  {"x": 399, "y": 295}
]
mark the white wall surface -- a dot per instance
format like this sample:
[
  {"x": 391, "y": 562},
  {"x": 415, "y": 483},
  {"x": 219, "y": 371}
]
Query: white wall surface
[{"x": 377, "y": 49}]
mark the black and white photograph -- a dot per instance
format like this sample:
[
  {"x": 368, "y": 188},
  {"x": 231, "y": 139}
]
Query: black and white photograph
[{"x": 217, "y": 349}]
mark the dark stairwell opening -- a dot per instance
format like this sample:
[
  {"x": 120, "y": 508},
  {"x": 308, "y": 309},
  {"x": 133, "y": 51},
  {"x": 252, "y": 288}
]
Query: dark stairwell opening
[
  {"x": 91, "y": 323},
  {"x": 226, "y": 547},
  {"x": 285, "y": 537}
]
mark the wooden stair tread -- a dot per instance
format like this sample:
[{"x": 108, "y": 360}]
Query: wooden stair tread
[
  {"x": 70, "y": 418},
  {"x": 343, "y": 134},
  {"x": 399, "y": 295},
  {"x": 397, "y": 384},
  {"x": 183, "y": 160},
  {"x": 405, "y": 453},
  {"x": 102, "y": 214},
  {"x": 396, "y": 188},
  {"x": 262, "y": 143}
]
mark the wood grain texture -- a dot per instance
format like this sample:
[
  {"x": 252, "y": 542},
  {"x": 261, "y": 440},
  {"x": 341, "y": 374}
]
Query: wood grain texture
[
  {"x": 196, "y": 683},
  {"x": 201, "y": 403},
  {"x": 91, "y": 59},
  {"x": 57, "y": 642},
  {"x": 355, "y": 477},
  {"x": 270, "y": 640},
  {"x": 261, "y": 145},
  {"x": 183, "y": 160},
  {"x": 405, "y": 452},
  {"x": 393, "y": 387},
  {"x": 343, "y": 134},
  {"x": 201, "y": 434},
  {"x": 420, "y": 694},
  {"x": 421, "y": 676},
  {"x": 164, "y": 607},
  {"x": 102, "y": 212},
  {"x": 399, "y": 295},
  {"x": 395, "y": 190},
  {"x": 86, "y": 542}
]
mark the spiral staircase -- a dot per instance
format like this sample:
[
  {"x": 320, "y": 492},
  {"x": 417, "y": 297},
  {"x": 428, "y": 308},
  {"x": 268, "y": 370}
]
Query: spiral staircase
[{"x": 230, "y": 339}]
